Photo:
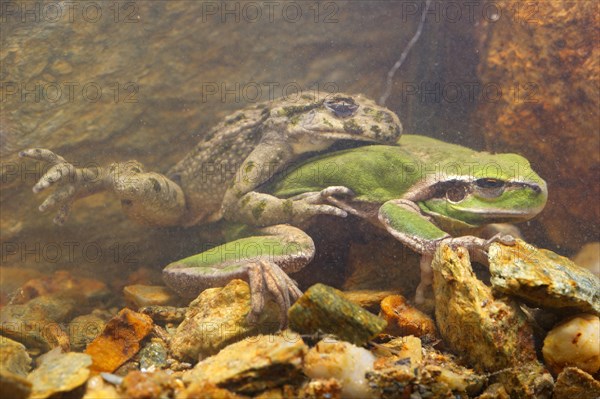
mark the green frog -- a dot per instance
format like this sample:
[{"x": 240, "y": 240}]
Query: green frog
[
  {"x": 219, "y": 176},
  {"x": 424, "y": 192}
]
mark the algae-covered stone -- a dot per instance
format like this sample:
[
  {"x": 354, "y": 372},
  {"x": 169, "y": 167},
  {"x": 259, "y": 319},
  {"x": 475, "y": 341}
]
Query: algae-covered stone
[
  {"x": 492, "y": 334},
  {"x": 254, "y": 364},
  {"x": 543, "y": 278},
  {"x": 15, "y": 358},
  {"x": 325, "y": 309},
  {"x": 217, "y": 318},
  {"x": 59, "y": 372},
  {"x": 37, "y": 322},
  {"x": 153, "y": 354},
  {"x": 575, "y": 383}
]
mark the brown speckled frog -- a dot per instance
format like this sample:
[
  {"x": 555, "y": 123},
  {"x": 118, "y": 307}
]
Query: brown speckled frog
[{"x": 218, "y": 177}]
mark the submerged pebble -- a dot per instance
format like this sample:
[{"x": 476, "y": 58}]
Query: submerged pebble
[
  {"x": 405, "y": 319},
  {"x": 139, "y": 295},
  {"x": 574, "y": 342},
  {"x": 543, "y": 278},
  {"x": 59, "y": 372},
  {"x": 217, "y": 318},
  {"x": 343, "y": 361},
  {"x": 254, "y": 364},
  {"x": 119, "y": 341},
  {"x": 326, "y": 310}
]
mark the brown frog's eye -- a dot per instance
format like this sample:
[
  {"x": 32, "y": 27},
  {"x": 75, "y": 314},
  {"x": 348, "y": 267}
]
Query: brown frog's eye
[
  {"x": 456, "y": 193},
  {"x": 342, "y": 107}
]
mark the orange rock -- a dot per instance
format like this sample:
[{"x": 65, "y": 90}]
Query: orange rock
[
  {"x": 404, "y": 319},
  {"x": 119, "y": 341}
]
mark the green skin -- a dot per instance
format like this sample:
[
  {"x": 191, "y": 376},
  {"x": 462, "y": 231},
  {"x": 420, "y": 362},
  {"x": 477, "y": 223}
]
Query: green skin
[{"x": 423, "y": 192}]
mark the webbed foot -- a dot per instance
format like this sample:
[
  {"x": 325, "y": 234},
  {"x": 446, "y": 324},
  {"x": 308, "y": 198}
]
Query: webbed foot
[
  {"x": 267, "y": 278},
  {"x": 71, "y": 182}
]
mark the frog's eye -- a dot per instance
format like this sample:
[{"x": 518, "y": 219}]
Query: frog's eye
[
  {"x": 489, "y": 183},
  {"x": 342, "y": 107},
  {"x": 489, "y": 188}
]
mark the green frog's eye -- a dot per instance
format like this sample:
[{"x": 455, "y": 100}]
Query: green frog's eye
[
  {"x": 489, "y": 188},
  {"x": 489, "y": 183},
  {"x": 342, "y": 107}
]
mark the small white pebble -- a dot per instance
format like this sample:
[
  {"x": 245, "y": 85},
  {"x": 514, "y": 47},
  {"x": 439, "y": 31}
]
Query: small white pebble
[
  {"x": 343, "y": 361},
  {"x": 574, "y": 342}
]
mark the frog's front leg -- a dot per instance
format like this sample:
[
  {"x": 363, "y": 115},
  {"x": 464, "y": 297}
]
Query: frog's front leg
[
  {"x": 404, "y": 221},
  {"x": 146, "y": 197},
  {"x": 262, "y": 259},
  {"x": 241, "y": 203}
]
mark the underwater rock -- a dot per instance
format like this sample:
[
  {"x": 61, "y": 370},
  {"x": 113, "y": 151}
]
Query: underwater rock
[
  {"x": 12, "y": 278},
  {"x": 59, "y": 372},
  {"x": 494, "y": 391},
  {"x": 491, "y": 334},
  {"x": 254, "y": 364},
  {"x": 143, "y": 385},
  {"x": 201, "y": 389},
  {"x": 344, "y": 362},
  {"x": 321, "y": 389},
  {"x": 589, "y": 257},
  {"x": 15, "y": 358},
  {"x": 367, "y": 299},
  {"x": 324, "y": 309},
  {"x": 543, "y": 278},
  {"x": 62, "y": 283},
  {"x": 139, "y": 295},
  {"x": 404, "y": 319},
  {"x": 405, "y": 373},
  {"x": 36, "y": 323},
  {"x": 164, "y": 314},
  {"x": 154, "y": 354},
  {"x": 97, "y": 388},
  {"x": 119, "y": 341},
  {"x": 405, "y": 349},
  {"x": 575, "y": 383},
  {"x": 15, "y": 363},
  {"x": 84, "y": 329},
  {"x": 574, "y": 342},
  {"x": 217, "y": 318}
]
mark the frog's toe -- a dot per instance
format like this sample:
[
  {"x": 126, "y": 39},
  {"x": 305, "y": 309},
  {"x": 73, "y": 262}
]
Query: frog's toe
[
  {"x": 336, "y": 190},
  {"x": 62, "y": 215},
  {"x": 54, "y": 174},
  {"x": 41, "y": 154},
  {"x": 265, "y": 278},
  {"x": 59, "y": 197},
  {"x": 505, "y": 239}
]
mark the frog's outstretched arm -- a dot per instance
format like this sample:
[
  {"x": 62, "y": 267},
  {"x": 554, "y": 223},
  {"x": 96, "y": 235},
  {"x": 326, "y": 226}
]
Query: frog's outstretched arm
[
  {"x": 404, "y": 221},
  {"x": 263, "y": 260},
  {"x": 146, "y": 197}
]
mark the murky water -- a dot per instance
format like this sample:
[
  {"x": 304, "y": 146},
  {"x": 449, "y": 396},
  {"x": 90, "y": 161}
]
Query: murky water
[{"x": 100, "y": 82}]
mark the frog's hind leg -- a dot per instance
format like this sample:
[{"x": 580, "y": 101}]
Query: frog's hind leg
[{"x": 263, "y": 259}]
